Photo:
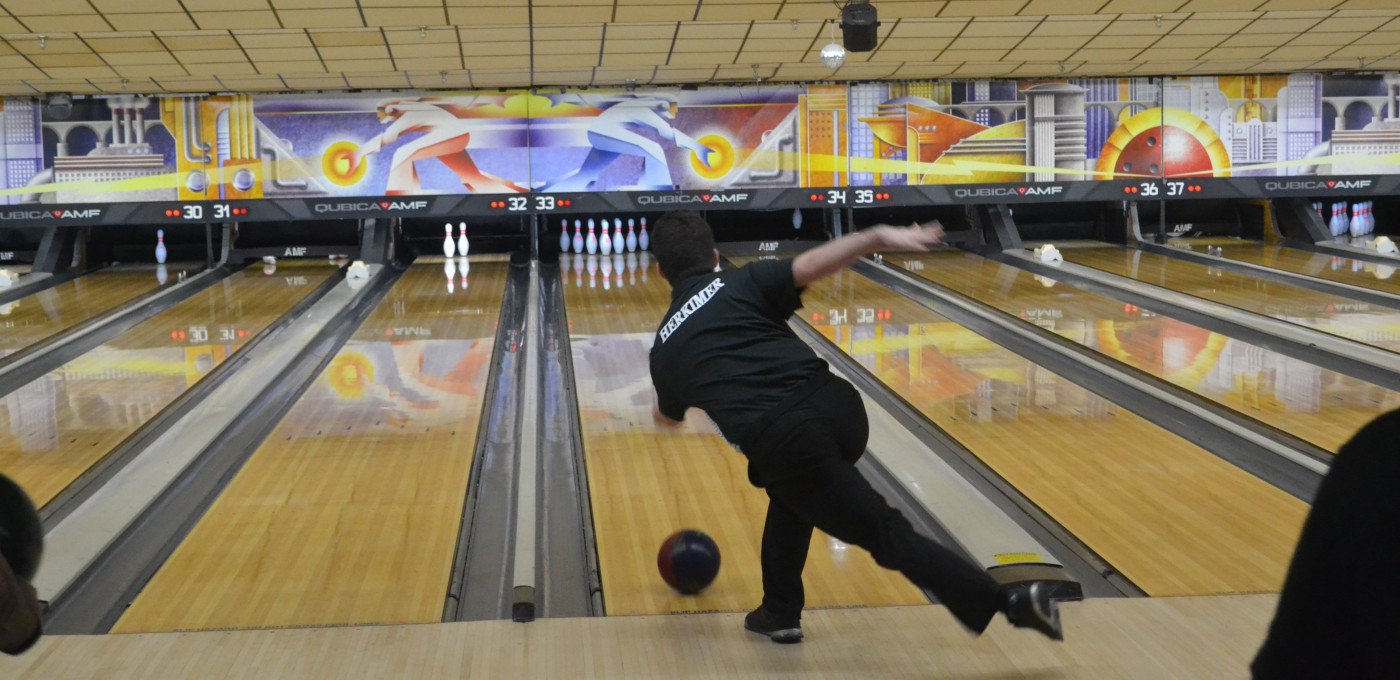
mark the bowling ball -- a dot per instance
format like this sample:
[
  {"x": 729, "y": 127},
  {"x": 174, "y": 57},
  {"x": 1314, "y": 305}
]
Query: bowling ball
[
  {"x": 688, "y": 560},
  {"x": 21, "y": 536}
]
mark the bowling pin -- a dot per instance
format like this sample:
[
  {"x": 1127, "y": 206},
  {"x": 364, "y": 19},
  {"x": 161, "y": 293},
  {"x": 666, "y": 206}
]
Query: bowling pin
[
  {"x": 448, "y": 250},
  {"x": 618, "y": 240},
  {"x": 592, "y": 272},
  {"x": 644, "y": 241},
  {"x": 607, "y": 267},
  {"x": 578, "y": 236},
  {"x": 449, "y": 269},
  {"x": 1338, "y": 225},
  {"x": 462, "y": 245},
  {"x": 563, "y": 236},
  {"x": 592, "y": 241},
  {"x": 605, "y": 244},
  {"x": 1357, "y": 222},
  {"x": 797, "y": 219},
  {"x": 578, "y": 270},
  {"x": 1370, "y": 217},
  {"x": 162, "y": 275},
  {"x": 160, "y": 246},
  {"x": 631, "y": 235},
  {"x": 463, "y": 267}
]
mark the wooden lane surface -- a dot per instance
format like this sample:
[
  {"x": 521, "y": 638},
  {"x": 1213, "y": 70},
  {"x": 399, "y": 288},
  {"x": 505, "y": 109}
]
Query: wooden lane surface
[
  {"x": 1171, "y": 517},
  {"x": 1177, "y": 638},
  {"x": 1334, "y": 314},
  {"x": 1336, "y": 268},
  {"x": 646, "y": 483},
  {"x": 348, "y": 512},
  {"x": 1315, "y": 404},
  {"x": 54, "y": 310},
  {"x": 62, "y": 423}
]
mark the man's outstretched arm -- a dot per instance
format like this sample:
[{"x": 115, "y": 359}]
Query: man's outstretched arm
[{"x": 829, "y": 258}]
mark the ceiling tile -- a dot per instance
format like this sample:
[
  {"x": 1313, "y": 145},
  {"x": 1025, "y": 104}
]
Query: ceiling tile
[
  {"x": 129, "y": 7},
  {"x": 210, "y": 56},
  {"x": 362, "y": 37},
  {"x": 78, "y": 23},
  {"x": 405, "y": 16},
  {"x": 645, "y": 13},
  {"x": 221, "y": 69},
  {"x": 138, "y": 58},
  {"x": 320, "y": 18},
  {"x": 261, "y": 39},
  {"x": 137, "y": 43},
  {"x": 981, "y": 8},
  {"x": 213, "y": 40},
  {"x": 163, "y": 21},
  {"x": 239, "y": 20}
]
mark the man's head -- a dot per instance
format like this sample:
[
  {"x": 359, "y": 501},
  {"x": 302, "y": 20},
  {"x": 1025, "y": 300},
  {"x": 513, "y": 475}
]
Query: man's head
[{"x": 684, "y": 245}]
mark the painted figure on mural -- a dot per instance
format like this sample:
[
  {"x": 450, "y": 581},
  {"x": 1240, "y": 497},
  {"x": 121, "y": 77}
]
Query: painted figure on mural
[
  {"x": 446, "y": 136},
  {"x": 617, "y": 132}
]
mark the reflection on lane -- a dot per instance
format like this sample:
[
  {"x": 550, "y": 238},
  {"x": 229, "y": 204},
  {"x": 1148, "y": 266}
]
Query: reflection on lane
[
  {"x": 646, "y": 483},
  {"x": 1333, "y": 314},
  {"x": 32, "y": 318},
  {"x": 1168, "y": 515},
  {"x": 60, "y": 424},
  {"x": 348, "y": 511},
  {"x": 1338, "y": 268},
  {"x": 1321, "y": 406}
]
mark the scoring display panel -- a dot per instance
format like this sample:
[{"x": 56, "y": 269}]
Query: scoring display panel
[{"x": 449, "y": 206}]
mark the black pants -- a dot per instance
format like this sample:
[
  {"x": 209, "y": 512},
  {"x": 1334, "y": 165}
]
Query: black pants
[
  {"x": 1339, "y": 613},
  {"x": 825, "y": 434}
]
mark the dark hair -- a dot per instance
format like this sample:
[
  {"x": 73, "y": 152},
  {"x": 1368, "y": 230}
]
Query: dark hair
[{"x": 683, "y": 244}]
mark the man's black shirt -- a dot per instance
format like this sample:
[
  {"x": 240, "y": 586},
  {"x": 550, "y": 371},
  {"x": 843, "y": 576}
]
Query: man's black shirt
[{"x": 724, "y": 346}]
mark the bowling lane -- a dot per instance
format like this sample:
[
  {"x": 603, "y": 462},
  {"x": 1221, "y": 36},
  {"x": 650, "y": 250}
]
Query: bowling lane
[
  {"x": 1335, "y": 268},
  {"x": 32, "y": 318},
  {"x": 60, "y": 424},
  {"x": 1171, "y": 517},
  {"x": 1333, "y": 314},
  {"x": 646, "y": 482},
  {"x": 348, "y": 511},
  {"x": 1315, "y": 404}
]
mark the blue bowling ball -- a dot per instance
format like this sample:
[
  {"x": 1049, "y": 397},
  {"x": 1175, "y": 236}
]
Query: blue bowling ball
[{"x": 688, "y": 561}]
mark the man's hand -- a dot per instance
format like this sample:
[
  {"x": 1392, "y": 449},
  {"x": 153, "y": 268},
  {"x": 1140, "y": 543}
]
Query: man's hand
[
  {"x": 834, "y": 256},
  {"x": 916, "y": 237},
  {"x": 663, "y": 421}
]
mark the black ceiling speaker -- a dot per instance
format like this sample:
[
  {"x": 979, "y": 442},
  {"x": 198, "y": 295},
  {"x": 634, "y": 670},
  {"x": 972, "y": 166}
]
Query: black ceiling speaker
[{"x": 858, "y": 22}]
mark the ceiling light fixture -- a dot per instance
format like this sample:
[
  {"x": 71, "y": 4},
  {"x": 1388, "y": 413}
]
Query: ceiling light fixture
[{"x": 834, "y": 54}]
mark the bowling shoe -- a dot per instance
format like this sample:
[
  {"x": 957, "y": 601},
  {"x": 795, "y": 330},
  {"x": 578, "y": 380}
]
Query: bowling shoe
[
  {"x": 1029, "y": 606},
  {"x": 782, "y": 631}
]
